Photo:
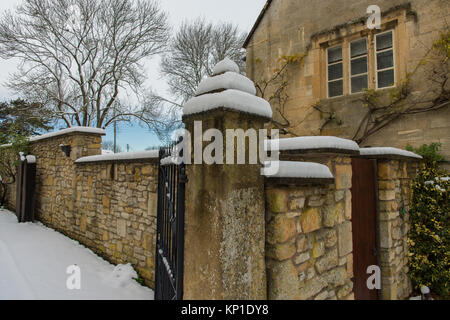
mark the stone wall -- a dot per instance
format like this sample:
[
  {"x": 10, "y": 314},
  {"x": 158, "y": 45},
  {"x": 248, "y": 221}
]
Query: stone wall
[
  {"x": 394, "y": 180},
  {"x": 108, "y": 206},
  {"x": 309, "y": 237}
]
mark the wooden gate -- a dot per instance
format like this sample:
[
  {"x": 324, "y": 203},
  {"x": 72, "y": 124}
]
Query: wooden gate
[
  {"x": 170, "y": 228},
  {"x": 25, "y": 190},
  {"x": 364, "y": 225}
]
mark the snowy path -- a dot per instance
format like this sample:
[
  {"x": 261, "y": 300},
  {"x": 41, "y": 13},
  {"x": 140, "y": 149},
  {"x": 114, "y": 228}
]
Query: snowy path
[{"x": 34, "y": 260}]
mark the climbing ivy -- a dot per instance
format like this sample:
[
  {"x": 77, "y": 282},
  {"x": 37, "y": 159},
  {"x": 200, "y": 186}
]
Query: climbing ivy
[{"x": 429, "y": 236}]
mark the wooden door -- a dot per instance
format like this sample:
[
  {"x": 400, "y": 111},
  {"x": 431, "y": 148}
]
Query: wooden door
[{"x": 364, "y": 225}]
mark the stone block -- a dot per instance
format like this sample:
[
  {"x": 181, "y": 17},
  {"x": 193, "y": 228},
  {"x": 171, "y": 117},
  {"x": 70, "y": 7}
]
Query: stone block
[
  {"x": 311, "y": 288},
  {"x": 122, "y": 228},
  {"x": 283, "y": 280},
  {"x": 281, "y": 252},
  {"x": 297, "y": 204},
  {"x": 83, "y": 223},
  {"x": 348, "y": 205},
  {"x": 386, "y": 240},
  {"x": 345, "y": 242},
  {"x": 343, "y": 177},
  {"x": 335, "y": 277},
  {"x": 331, "y": 238},
  {"x": 277, "y": 200},
  {"x": 385, "y": 195},
  {"x": 106, "y": 201},
  {"x": 318, "y": 250},
  {"x": 310, "y": 220},
  {"x": 147, "y": 170},
  {"x": 301, "y": 258},
  {"x": 280, "y": 229},
  {"x": 327, "y": 262},
  {"x": 302, "y": 244}
]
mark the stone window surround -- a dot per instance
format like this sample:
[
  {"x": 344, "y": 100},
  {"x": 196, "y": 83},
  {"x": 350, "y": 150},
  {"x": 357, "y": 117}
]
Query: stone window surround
[{"x": 343, "y": 35}]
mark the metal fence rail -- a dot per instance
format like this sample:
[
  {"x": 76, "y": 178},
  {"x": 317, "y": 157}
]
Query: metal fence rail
[{"x": 170, "y": 227}]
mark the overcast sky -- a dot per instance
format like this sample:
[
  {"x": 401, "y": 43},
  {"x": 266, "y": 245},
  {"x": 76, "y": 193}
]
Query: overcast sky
[{"x": 240, "y": 12}]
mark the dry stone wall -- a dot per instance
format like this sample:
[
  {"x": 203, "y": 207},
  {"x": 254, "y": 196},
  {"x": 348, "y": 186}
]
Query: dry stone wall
[
  {"x": 394, "y": 179},
  {"x": 108, "y": 206},
  {"x": 309, "y": 238}
]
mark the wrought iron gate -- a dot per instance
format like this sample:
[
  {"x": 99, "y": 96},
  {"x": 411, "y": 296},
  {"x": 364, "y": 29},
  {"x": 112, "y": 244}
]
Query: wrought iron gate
[{"x": 170, "y": 228}]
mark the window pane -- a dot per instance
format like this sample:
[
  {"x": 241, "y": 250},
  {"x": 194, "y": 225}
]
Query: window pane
[
  {"x": 358, "y": 48},
  {"x": 335, "y": 71},
  {"x": 384, "y": 41},
  {"x": 359, "y": 65},
  {"x": 385, "y": 78},
  {"x": 335, "y": 88},
  {"x": 334, "y": 55},
  {"x": 359, "y": 83},
  {"x": 385, "y": 60}
]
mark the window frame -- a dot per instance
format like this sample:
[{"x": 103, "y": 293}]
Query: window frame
[
  {"x": 381, "y": 51},
  {"x": 350, "y": 59},
  {"x": 343, "y": 74}
]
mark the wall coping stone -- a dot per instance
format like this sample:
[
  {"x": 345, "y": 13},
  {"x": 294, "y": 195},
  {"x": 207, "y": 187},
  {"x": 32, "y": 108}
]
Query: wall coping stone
[
  {"x": 388, "y": 153},
  {"x": 268, "y": 181},
  {"x": 68, "y": 131},
  {"x": 121, "y": 157}
]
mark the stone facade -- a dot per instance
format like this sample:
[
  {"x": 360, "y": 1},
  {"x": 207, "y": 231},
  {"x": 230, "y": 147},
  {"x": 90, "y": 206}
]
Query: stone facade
[
  {"x": 109, "y": 206},
  {"x": 297, "y": 26},
  {"x": 309, "y": 237},
  {"x": 394, "y": 179}
]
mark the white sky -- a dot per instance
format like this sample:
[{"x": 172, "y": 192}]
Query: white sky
[{"x": 240, "y": 12}]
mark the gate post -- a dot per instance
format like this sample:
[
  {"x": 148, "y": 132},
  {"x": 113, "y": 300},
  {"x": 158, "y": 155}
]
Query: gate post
[{"x": 225, "y": 224}]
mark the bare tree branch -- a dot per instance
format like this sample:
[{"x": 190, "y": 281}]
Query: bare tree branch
[{"x": 82, "y": 58}]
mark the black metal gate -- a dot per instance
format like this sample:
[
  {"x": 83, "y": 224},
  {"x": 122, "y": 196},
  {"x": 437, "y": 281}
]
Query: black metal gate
[
  {"x": 25, "y": 190},
  {"x": 170, "y": 227}
]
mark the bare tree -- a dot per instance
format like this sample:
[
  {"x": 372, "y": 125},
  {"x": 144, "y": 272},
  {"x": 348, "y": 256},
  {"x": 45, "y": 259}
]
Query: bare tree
[
  {"x": 109, "y": 145},
  {"x": 193, "y": 52},
  {"x": 84, "y": 59}
]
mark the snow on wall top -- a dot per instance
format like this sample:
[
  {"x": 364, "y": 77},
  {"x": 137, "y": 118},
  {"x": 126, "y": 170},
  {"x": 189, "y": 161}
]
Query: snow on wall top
[
  {"x": 387, "y": 151},
  {"x": 295, "y": 169},
  {"x": 69, "y": 130},
  {"x": 321, "y": 142},
  {"x": 232, "y": 99},
  {"x": 153, "y": 154},
  {"x": 227, "y": 80},
  {"x": 225, "y": 65}
]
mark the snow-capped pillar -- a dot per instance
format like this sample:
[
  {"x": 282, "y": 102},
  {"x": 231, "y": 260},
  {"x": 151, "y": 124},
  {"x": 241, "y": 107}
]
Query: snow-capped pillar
[{"x": 224, "y": 232}]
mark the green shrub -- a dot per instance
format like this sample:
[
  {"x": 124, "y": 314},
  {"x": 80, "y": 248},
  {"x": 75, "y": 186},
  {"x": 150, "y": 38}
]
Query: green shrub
[
  {"x": 429, "y": 236},
  {"x": 428, "y": 152}
]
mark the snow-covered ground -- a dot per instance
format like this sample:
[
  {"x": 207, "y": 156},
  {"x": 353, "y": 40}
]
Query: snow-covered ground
[{"x": 34, "y": 261}]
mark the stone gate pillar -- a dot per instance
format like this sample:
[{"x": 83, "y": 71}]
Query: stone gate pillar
[{"x": 224, "y": 230}]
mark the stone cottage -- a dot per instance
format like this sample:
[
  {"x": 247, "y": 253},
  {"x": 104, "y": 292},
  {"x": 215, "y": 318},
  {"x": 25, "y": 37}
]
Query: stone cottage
[{"x": 340, "y": 56}]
